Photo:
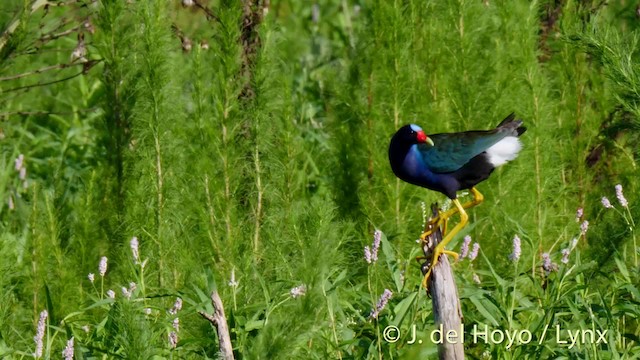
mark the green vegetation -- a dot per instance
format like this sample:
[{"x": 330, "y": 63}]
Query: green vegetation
[{"x": 236, "y": 140}]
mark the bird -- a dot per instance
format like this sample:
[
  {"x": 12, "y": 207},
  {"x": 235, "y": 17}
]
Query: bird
[{"x": 451, "y": 162}]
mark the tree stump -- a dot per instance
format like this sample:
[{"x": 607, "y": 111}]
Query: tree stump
[
  {"x": 219, "y": 320},
  {"x": 444, "y": 294}
]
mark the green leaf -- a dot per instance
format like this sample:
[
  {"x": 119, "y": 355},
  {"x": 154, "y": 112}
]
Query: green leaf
[
  {"x": 623, "y": 269},
  {"x": 482, "y": 308},
  {"x": 401, "y": 310}
]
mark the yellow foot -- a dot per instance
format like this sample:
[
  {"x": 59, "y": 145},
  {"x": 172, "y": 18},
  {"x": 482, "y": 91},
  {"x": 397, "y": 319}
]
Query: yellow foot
[
  {"x": 452, "y": 254},
  {"x": 426, "y": 234},
  {"x": 436, "y": 256},
  {"x": 432, "y": 226},
  {"x": 440, "y": 248},
  {"x": 443, "y": 218}
]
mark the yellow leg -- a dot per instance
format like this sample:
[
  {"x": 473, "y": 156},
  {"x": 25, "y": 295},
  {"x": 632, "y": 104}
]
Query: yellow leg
[
  {"x": 478, "y": 198},
  {"x": 445, "y": 222},
  {"x": 443, "y": 218},
  {"x": 440, "y": 248}
]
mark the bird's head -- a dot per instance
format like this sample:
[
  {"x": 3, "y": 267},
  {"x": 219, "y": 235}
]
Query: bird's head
[
  {"x": 407, "y": 138},
  {"x": 413, "y": 134}
]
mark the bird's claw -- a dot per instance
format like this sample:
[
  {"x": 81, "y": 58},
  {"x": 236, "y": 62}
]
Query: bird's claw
[
  {"x": 434, "y": 260},
  {"x": 425, "y": 235},
  {"x": 441, "y": 221},
  {"x": 430, "y": 228},
  {"x": 453, "y": 254}
]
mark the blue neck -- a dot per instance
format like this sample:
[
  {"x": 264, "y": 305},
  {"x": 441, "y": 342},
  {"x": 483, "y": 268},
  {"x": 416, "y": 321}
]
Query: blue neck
[{"x": 413, "y": 170}]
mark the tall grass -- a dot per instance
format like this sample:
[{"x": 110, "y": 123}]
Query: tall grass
[{"x": 259, "y": 171}]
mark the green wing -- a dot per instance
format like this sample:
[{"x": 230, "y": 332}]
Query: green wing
[{"x": 452, "y": 151}]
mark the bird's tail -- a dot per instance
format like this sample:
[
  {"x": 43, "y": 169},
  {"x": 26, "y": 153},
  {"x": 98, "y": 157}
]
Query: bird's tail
[
  {"x": 512, "y": 125},
  {"x": 508, "y": 148}
]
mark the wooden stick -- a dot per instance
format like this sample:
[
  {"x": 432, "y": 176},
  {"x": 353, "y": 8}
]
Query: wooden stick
[
  {"x": 219, "y": 320},
  {"x": 444, "y": 294}
]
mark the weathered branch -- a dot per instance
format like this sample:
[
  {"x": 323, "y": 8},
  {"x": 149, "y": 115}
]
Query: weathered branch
[
  {"x": 209, "y": 12},
  {"x": 5, "y": 115},
  {"x": 86, "y": 66},
  {"x": 444, "y": 295},
  {"x": 39, "y": 71},
  {"x": 219, "y": 320}
]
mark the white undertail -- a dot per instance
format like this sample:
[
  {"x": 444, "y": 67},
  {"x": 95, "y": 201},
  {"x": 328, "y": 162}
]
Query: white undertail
[{"x": 504, "y": 150}]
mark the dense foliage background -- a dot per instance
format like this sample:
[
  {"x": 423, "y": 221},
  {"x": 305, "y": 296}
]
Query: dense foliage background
[{"x": 244, "y": 145}]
